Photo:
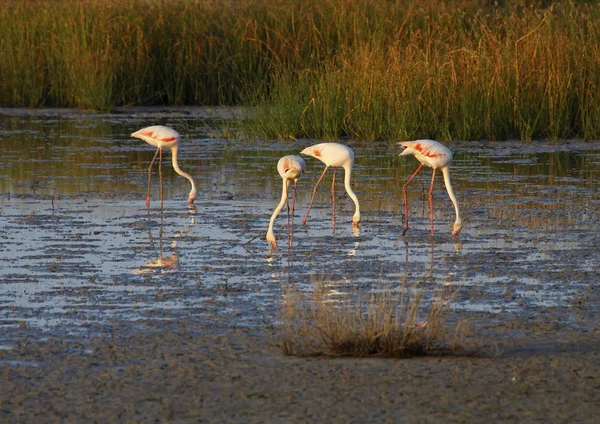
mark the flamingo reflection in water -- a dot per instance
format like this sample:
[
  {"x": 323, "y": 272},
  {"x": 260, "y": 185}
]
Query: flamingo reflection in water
[
  {"x": 289, "y": 168},
  {"x": 161, "y": 137},
  {"x": 162, "y": 263}
]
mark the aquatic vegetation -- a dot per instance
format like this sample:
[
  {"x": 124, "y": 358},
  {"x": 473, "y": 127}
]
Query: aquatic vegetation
[
  {"x": 321, "y": 69},
  {"x": 378, "y": 323}
]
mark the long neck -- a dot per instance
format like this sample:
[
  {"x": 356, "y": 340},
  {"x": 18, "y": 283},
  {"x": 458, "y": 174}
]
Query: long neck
[
  {"x": 174, "y": 150},
  {"x": 347, "y": 177},
  {"x": 284, "y": 196},
  {"x": 446, "y": 173}
]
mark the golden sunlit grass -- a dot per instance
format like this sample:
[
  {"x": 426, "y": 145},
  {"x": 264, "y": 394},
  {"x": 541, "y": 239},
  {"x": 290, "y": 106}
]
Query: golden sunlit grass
[
  {"x": 325, "y": 69},
  {"x": 383, "y": 324}
]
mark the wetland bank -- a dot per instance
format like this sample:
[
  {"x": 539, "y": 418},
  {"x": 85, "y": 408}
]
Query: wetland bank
[{"x": 91, "y": 329}]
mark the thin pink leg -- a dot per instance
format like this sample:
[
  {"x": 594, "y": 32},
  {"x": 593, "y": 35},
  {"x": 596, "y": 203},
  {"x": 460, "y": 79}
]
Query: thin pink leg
[
  {"x": 291, "y": 238},
  {"x": 149, "y": 175},
  {"x": 333, "y": 199},
  {"x": 313, "y": 195},
  {"x": 161, "y": 179},
  {"x": 287, "y": 208},
  {"x": 431, "y": 200},
  {"x": 404, "y": 188}
]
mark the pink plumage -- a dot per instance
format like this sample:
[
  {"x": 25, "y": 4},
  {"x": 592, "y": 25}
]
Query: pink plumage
[
  {"x": 334, "y": 155},
  {"x": 428, "y": 152},
  {"x": 436, "y": 156},
  {"x": 164, "y": 137},
  {"x": 289, "y": 167},
  {"x": 158, "y": 136}
]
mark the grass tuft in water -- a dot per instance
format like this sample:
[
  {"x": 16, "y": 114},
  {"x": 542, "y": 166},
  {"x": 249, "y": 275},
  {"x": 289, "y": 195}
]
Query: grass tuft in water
[{"x": 382, "y": 324}]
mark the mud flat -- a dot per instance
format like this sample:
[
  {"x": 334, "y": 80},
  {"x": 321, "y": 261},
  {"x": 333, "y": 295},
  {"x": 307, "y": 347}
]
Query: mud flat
[{"x": 187, "y": 371}]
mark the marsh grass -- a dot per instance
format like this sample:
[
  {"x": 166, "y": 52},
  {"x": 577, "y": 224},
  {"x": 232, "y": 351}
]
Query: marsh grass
[
  {"x": 318, "y": 68},
  {"x": 384, "y": 324}
]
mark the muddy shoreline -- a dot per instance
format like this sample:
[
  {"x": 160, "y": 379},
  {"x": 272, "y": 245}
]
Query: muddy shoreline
[{"x": 193, "y": 371}]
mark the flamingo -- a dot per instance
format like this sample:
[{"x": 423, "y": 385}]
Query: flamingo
[
  {"x": 435, "y": 155},
  {"x": 289, "y": 167},
  {"x": 161, "y": 137},
  {"x": 335, "y": 155}
]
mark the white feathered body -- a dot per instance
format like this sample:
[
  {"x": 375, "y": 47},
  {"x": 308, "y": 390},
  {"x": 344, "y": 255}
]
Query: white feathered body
[
  {"x": 290, "y": 167},
  {"x": 429, "y": 152},
  {"x": 158, "y": 136},
  {"x": 331, "y": 154},
  {"x": 166, "y": 137}
]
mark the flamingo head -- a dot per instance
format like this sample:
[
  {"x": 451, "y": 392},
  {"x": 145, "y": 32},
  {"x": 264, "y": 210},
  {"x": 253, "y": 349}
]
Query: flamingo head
[
  {"x": 192, "y": 196},
  {"x": 271, "y": 238},
  {"x": 312, "y": 151},
  {"x": 356, "y": 218},
  {"x": 406, "y": 150},
  {"x": 457, "y": 227}
]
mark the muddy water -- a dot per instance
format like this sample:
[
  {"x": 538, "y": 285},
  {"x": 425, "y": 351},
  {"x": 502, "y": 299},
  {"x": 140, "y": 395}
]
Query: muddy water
[{"x": 80, "y": 251}]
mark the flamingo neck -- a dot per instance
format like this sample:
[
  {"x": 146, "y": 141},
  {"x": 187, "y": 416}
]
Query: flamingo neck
[
  {"x": 458, "y": 222},
  {"x": 347, "y": 185},
  {"x": 177, "y": 169},
  {"x": 284, "y": 196}
]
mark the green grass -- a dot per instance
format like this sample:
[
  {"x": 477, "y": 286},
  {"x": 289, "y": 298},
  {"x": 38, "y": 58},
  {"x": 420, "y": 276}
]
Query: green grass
[{"x": 325, "y": 69}]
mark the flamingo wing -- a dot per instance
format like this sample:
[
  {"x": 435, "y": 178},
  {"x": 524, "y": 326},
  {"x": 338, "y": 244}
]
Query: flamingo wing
[
  {"x": 158, "y": 135},
  {"x": 429, "y": 152}
]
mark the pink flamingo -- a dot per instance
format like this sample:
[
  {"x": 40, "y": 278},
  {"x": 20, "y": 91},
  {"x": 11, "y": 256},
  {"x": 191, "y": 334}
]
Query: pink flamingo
[
  {"x": 336, "y": 155},
  {"x": 289, "y": 167},
  {"x": 161, "y": 137},
  {"x": 435, "y": 155}
]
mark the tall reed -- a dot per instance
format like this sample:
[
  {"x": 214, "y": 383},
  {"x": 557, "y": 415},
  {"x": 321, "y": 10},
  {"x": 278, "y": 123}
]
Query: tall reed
[
  {"x": 486, "y": 75},
  {"x": 397, "y": 69}
]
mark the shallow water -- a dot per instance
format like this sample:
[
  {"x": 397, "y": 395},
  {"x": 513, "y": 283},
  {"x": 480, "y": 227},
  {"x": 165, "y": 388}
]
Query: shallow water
[{"x": 79, "y": 250}]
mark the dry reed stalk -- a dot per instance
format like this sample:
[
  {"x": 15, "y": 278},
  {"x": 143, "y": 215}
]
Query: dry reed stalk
[{"x": 365, "y": 324}]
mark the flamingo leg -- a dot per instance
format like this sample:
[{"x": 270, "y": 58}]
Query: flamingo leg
[
  {"x": 313, "y": 195},
  {"x": 161, "y": 178},
  {"x": 293, "y": 208},
  {"x": 404, "y": 189},
  {"x": 294, "y": 200},
  {"x": 149, "y": 175},
  {"x": 333, "y": 199},
  {"x": 431, "y": 199},
  {"x": 287, "y": 204}
]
